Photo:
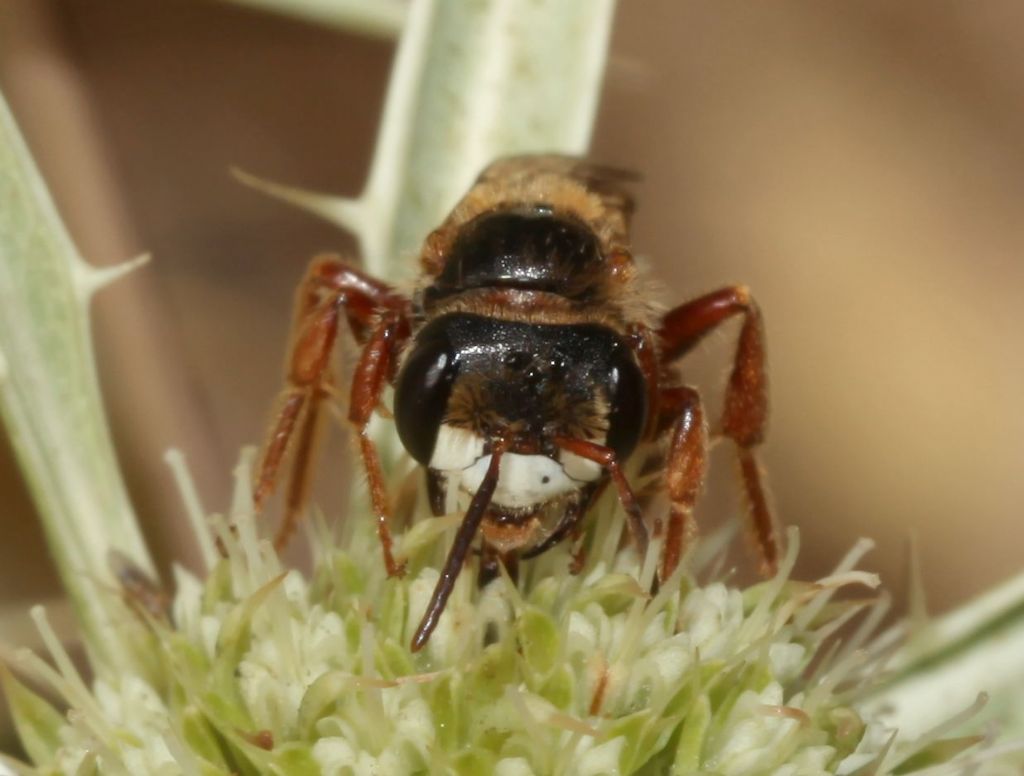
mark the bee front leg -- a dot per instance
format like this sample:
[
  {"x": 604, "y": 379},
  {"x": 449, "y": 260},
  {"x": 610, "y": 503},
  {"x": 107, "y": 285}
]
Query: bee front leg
[
  {"x": 437, "y": 491},
  {"x": 491, "y": 561},
  {"x": 372, "y": 374},
  {"x": 685, "y": 467},
  {"x": 605, "y": 457}
]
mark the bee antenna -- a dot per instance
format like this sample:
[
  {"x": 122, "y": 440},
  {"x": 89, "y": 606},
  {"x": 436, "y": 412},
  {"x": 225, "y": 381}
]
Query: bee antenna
[{"x": 460, "y": 549}]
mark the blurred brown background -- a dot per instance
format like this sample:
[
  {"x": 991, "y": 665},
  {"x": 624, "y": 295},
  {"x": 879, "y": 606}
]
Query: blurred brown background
[{"x": 859, "y": 165}]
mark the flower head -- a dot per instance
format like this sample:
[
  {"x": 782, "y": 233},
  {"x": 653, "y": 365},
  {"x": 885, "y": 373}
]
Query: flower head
[{"x": 259, "y": 669}]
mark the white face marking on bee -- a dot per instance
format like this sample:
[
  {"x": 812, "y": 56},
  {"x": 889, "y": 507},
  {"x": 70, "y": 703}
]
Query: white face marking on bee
[
  {"x": 455, "y": 449},
  {"x": 524, "y": 481}
]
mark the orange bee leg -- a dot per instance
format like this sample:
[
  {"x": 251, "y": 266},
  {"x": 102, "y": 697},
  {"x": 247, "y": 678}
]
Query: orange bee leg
[
  {"x": 330, "y": 289},
  {"x": 685, "y": 467},
  {"x": 298, "y": 409},
  {"x": 301, "y": 476},
  {"x": 372, "y": 374},
  {"x": 746, "y": 400}
]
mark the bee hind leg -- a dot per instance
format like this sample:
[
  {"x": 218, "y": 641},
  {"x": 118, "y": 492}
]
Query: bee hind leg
[
  {"x": 745, "y": 416},
  {"x": 329, "y": 291}
]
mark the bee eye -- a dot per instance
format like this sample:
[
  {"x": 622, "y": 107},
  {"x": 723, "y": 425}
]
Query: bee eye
[
  {"x": 627, "y": 401},
  {"x": 422, "y": 390}
]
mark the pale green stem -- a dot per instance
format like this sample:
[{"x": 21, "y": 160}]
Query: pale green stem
[
  {"x": 370, "y": 17},
  {"x": 50, "y": 402}
]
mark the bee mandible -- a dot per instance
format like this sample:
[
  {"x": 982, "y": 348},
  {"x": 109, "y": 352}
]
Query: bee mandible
[{"x": 527, "y": 368}]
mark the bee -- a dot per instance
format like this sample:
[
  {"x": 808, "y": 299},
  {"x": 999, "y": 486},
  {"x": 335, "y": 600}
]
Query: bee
[{"x": 527, "y": 369}]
